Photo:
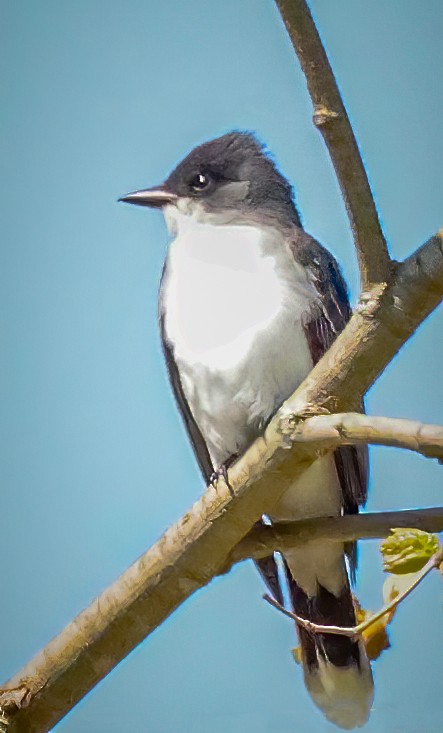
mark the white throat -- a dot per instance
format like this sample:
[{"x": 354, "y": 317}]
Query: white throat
[{"x": 186, "y": 212}]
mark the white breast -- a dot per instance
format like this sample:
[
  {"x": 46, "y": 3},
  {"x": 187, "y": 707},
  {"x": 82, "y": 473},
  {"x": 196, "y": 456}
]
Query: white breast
[{"x": 234, "y": 299}]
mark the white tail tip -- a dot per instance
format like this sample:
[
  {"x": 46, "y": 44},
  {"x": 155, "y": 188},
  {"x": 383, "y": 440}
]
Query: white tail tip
[{"x": 344, "y": 694}]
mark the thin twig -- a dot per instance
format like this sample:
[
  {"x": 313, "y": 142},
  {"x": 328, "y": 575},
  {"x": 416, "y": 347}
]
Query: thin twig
[
  {"x": 332, "y": 120},
  {"x": 354, "y": 631},
  {"x": 310, "y": 625},
  {"x": 433, "y": 563}
]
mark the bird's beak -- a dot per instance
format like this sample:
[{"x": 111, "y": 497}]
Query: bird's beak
[{"x": 154, "y": 197}]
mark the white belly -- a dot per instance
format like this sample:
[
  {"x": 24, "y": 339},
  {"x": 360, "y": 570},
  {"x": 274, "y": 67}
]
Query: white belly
[{"x": 234, "y": 299}]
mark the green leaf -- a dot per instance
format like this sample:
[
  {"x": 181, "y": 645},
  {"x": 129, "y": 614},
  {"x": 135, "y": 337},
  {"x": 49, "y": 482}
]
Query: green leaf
[{"x": 408, "y": 550}]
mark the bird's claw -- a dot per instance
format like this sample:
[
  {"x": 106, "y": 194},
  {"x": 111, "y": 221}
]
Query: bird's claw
[{"x": 223, "y": 472}]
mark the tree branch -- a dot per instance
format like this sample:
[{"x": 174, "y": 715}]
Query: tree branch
[
  {"x": 330, "y": 431},
  {"x": 332, "y": 120},
  {"x": 195, "y": 549},
  {"x": 284, "y": 536}
]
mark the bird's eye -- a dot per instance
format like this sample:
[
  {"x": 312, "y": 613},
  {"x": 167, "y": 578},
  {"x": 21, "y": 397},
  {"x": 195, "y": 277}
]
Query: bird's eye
[{"x": 199, "y": 182}]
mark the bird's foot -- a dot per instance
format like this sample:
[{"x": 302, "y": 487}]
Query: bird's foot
[{"x": 222, "y": 471}]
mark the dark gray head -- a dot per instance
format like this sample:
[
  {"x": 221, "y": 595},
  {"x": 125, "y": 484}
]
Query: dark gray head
[{"x": 229, "y": 177}]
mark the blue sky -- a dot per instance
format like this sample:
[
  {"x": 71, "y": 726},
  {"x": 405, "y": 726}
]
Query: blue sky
[{"x": 103, "y": 98}]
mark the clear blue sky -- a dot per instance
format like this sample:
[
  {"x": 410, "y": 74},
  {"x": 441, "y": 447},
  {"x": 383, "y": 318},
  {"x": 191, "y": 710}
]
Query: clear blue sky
[{"x": 103, "y": 97}]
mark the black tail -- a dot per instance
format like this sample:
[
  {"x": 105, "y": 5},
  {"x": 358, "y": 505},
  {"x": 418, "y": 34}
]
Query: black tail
[{"x": 336, "y": 669}]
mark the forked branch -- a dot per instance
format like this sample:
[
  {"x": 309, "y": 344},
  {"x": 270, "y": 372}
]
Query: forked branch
[{"x": 196, "y": 549}]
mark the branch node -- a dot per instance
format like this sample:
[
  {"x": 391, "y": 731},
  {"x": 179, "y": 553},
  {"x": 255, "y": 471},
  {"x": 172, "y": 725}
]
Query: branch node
[
  {"x": 310, "y": 626},
  {"x": 323, "y": 114},
  {"x": 15, "y": 699},
  {"x": 369, "y": 300},
  {"x": 291, "y": 423}
]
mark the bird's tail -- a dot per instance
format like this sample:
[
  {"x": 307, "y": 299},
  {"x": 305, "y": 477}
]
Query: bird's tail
[{"x": 336, "y": 669}]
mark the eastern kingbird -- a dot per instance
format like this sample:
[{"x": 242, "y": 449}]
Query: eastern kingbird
[{"x": 248, "y": 304}]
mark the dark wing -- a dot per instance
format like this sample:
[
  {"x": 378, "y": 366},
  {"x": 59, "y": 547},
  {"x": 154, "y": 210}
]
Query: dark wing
[
  {"x": 327, "y": 319},
  {"x": 199, "y": 445}
]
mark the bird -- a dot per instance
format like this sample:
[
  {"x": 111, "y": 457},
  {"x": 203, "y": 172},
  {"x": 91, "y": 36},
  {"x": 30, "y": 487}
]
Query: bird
[{"x": 248, "y": 303}]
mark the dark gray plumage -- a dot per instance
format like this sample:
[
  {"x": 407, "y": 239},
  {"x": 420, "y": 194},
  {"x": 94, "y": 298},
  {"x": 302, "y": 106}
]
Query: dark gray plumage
[{"x": 235, "y": 158}]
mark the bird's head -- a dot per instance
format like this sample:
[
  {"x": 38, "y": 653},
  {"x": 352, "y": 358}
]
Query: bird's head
[{"x": 227, "y": 179}]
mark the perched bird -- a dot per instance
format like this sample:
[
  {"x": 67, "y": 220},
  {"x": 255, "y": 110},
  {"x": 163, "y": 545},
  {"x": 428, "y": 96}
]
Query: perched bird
[{"x": 248, "y": 304}]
